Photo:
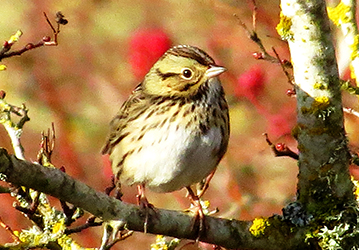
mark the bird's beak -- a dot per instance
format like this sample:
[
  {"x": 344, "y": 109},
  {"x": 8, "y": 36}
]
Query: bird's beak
[{"x": 215, "y": 71}]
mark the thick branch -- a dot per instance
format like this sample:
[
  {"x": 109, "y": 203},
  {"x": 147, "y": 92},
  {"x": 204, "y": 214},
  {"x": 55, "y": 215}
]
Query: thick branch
[
  {"x": 323, "y": 159},
  {"x": 223, "y": 232}
]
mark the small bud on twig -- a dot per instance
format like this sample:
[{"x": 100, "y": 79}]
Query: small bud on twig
[
  {"x": 2, "y": 94},
  {"x": 46, "y": 39}
]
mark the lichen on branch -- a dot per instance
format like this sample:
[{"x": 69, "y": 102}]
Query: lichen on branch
[{"x": 324, "y": 179}]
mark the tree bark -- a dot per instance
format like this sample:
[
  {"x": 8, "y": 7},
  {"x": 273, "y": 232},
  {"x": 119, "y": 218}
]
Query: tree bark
[
  {"x": 228, "y": 233},
  {"x": 324, "y": 178},
  {"x": 323, "y": 181}
]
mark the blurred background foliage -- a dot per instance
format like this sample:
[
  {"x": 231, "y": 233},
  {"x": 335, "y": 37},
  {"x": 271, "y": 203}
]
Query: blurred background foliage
[{"x": 105, "y": 50}]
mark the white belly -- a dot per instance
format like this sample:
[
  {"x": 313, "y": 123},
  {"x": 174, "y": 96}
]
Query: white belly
[{"x": 168, "y": 163}]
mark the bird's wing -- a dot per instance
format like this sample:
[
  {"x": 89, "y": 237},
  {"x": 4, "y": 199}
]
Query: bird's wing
[{"x": 132, "y": 106}]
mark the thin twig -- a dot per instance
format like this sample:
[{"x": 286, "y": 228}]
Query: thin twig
[
  {"x": 45, "y": 41},
  {"x": 252, "y": 34},
  {"x": 89, "y": 223},
  {"x": 60, "y": 20},
  {"x": 120, "y": 238},
  {"x": 254, "y": 15},
  {"x": 264, "y": 55},
  {"x": 8, "y": 228},
  {"x": 280, "y": 149},
  {"x": 284, "y": 64},
  {"x": 47, "y": 146}
]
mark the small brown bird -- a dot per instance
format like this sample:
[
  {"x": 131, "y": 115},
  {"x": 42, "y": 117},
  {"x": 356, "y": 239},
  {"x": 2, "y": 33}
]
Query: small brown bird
[{"x": 174, "y": 128}]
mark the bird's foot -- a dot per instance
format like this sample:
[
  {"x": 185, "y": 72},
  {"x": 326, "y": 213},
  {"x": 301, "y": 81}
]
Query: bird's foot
[
  {"x": 144, "y": 205},
  {"x": 197, "y": 209}
]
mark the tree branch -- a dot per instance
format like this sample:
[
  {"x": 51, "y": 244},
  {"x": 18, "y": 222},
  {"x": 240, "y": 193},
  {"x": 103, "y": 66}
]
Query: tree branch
[
  {"x": 324, "y": 157},
  {"x": 228, "y": 233}
]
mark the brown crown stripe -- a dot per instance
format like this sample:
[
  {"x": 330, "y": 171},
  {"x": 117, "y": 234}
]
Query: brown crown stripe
[{"x": 191, "y": 52}]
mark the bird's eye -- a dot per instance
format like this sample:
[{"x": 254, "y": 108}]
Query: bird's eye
[{"x": 187, "y": 73}]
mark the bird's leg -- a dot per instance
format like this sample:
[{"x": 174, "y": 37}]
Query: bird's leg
[
  {"x": 144, "y": 204},
  {"x": 197, "y": 210},
  {"x": 141, "y": 197},
  {"x": 115, "y": 184},
  {"x": 112, "y": 186},
  {"x": 206, "y": 184}
]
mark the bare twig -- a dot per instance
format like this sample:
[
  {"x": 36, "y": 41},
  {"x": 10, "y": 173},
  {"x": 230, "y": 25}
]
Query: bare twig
[
  {"x": 89, "y": 223},
  {"x": 263, "y": 55},
  {"x": 254, "y": 15},
  {"x": 60, "y": 20},
  {"x": 47, "y": 146},
  {"x": 284, "y": 64},
  {"x": 280, "y": 149},
  {"x": 45, "y": 41},
  {"x": 252, "y": 34},
  {"x": 123, "y": 234}
]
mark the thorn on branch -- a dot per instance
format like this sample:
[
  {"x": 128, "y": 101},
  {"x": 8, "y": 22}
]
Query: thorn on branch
[{"x": 280, "y": 149}]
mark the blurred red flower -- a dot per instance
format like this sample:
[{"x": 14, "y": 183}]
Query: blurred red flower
[
  {"x": 146, "y": 46},
  {"x": 281, "y": 124},
  {"x": 251, "y": 84}
]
